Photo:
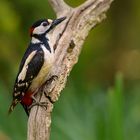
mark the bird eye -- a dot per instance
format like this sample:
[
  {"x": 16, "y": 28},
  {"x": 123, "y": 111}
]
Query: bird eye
[{"x": 44, "y": 23}]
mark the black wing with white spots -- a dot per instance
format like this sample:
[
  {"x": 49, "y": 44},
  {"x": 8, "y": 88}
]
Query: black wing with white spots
[
  {"x": 33, "y": 68},
  {"x": 30, "y": 66}
]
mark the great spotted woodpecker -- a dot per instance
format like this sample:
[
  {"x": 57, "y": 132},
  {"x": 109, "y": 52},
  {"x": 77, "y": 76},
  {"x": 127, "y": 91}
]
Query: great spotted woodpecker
[{"x": 35, "y": 64}]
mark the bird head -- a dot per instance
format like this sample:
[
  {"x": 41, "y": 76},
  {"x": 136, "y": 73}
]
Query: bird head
[{"x": 43, "y": 26}]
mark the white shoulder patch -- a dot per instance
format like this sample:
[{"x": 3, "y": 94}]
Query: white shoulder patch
[{"x": 23, "y": 72}]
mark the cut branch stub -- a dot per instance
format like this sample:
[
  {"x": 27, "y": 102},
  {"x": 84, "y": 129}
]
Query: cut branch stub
[{"x": 67, "y": 39}]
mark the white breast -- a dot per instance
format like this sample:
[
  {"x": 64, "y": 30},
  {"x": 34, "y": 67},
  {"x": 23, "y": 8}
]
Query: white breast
[{"x": 42, "y": 75}]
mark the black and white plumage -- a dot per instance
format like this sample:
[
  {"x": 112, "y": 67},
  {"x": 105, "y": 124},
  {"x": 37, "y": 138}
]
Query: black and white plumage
[{"x": 35, "y": 64}]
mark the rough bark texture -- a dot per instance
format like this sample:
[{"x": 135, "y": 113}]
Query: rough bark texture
[{"x": 67, "y": 39}]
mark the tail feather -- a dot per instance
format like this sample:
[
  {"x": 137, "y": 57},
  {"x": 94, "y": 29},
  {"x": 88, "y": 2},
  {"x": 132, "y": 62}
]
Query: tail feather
[
  {"x": 26, "y": 109},
  {"x": 12, "y": 106}
]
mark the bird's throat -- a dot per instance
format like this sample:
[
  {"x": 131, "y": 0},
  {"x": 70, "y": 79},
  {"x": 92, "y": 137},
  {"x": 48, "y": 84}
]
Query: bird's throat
[{"x": 41, "y": 39}]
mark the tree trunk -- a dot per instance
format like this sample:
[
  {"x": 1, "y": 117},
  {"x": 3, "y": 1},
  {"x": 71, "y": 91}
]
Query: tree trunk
[{"x": 67, "y": 39}]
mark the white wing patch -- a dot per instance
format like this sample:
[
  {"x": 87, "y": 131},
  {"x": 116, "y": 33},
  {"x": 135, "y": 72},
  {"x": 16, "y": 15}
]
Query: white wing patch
[{"x": 23, "y": 72}]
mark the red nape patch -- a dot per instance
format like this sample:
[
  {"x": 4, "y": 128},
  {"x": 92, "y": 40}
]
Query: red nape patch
[
  {"x": 31, "y": 31},
  {"x": 27, "y": 99}
]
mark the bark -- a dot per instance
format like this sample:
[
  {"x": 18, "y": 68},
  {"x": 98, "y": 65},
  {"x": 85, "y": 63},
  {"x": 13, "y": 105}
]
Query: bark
[{"x": 67, "y": 39}]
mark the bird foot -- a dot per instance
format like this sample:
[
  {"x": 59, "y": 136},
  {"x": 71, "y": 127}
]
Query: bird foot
[
  {"x": 51, "y": 79},
  {"x": 49, "y": 98},
  {"x": 37, "y": 103},
  {"x": 42, "y": 104}
]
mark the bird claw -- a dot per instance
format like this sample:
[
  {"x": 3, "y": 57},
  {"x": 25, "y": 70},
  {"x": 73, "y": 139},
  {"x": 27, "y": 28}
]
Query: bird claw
[
  {"x": 52, "y": 78},
  {"x": 37, "y": 103},
  {"x": 43, "y": 104},
  {"x": 49, "y": 98}
]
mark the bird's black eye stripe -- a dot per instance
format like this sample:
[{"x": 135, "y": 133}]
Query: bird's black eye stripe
[{"x": 45, "y": 23}]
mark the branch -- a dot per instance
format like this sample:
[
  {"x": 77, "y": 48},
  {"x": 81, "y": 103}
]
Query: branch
[
  {"x": 67, "y": 40},
  {"x": 59, "y": 6}
]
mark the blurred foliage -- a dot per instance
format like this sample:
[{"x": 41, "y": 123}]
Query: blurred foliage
[{"x": 92, "y": 106}]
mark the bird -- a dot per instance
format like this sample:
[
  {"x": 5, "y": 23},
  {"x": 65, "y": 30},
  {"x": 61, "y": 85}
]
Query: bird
[{"x": 36, "y": 63}]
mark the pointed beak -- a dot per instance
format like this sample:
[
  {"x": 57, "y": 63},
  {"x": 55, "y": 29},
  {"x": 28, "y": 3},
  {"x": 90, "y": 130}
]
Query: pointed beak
[{"x": 56, "y": 22}]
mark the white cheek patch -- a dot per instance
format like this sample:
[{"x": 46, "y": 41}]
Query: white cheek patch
[{"x": 40, "y": 29}]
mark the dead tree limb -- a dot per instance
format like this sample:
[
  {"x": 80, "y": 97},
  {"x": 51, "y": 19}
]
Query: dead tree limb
[{"x": 67, "y": 39}]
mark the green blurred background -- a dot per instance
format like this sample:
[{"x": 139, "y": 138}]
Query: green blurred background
[{"x": 102, "y": 98}]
